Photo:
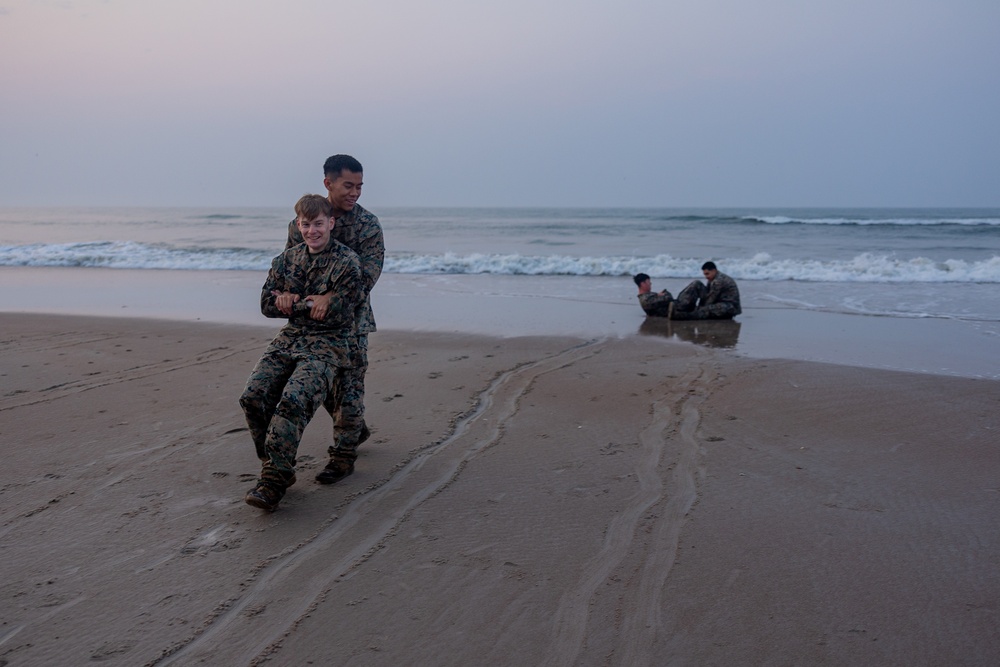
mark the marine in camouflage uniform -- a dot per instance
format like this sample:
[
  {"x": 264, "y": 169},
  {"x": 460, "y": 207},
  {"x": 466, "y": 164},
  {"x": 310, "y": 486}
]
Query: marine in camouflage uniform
[
  {"x": 656, "y": 304},
  {"x": 360, "y": 231},
  {"x": 306, "y": 361},
  {"x": 719, "y": 300}
]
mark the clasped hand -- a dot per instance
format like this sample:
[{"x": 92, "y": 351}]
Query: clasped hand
[{"x": 319, "y": 304}]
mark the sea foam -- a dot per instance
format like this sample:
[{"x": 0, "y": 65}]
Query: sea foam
[{"x": 866, "y": 267}]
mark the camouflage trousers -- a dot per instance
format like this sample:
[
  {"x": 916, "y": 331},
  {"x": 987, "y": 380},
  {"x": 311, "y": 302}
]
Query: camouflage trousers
[
  {"x": 281, "y": 396},
  {"x": 347, "y": 406},
  {"x": 686, "y": 305}
]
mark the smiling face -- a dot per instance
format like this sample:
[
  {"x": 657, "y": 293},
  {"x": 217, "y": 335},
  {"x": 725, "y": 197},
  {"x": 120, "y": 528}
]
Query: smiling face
[
  {"x": 316, "y": 232},
  {"x": 345, "y": 189}
]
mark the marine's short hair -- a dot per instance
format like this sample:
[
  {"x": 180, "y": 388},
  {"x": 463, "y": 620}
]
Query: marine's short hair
[
  {"x": 335, "y": 164},
  {"x": 640, "y": 278},
  {"x": 309, "y": 207},
  {"x": 709, "y": 266}
]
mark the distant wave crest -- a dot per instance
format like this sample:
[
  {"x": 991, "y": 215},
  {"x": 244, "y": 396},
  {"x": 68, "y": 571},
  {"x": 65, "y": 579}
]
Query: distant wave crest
[
  {"x": 867, "y": 267},
  {"x": 132, "y": 255},
  {"x": 863, "y": 268},
  {"x": 870, "y": 221}
]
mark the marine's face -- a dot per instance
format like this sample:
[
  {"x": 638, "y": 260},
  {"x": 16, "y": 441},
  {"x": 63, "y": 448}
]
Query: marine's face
[
  {"x": 710, "y": 274},
  {"x": 345, "y": 189},
  {"x": 316, "y": 232}
]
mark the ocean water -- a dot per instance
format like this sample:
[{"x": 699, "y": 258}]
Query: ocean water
[
  {"x": 901, "y": 289},
  {"x": 881, "y": 262},
  {"x": 831, "y": 245}
]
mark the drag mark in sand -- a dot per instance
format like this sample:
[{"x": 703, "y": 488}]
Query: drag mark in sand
[
  {"x": 252, "y": 627},
  {"x": 67, "y": 389},
  {"x": 668, "y": 500}
]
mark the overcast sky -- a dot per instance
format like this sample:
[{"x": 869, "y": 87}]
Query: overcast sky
[{"x": 502, "y": 103}]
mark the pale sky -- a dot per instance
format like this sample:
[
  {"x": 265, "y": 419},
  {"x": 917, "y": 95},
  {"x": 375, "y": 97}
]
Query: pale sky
[{"x": 502, "y": 103}]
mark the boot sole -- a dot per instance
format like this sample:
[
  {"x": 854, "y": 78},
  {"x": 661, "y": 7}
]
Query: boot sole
[{"x": 256, "y": 501}]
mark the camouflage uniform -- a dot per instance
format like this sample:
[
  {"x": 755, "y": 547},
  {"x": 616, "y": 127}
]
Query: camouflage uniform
[
  {"x": 305, "y": 361},
  {"x": 719, "y": 300},
  {"x": 360, "y": 231},
  {"x": 656, "y": 304}
]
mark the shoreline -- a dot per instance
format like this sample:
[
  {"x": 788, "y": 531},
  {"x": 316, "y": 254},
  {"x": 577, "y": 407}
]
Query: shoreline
[
  {"x": 511, "y": 306},
  {"x": 533, "y": 499}
]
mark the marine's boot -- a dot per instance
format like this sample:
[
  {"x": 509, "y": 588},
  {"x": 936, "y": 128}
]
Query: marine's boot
[
  {"x": 337, "y": 469},
  {"x": 266, "y": 496}
]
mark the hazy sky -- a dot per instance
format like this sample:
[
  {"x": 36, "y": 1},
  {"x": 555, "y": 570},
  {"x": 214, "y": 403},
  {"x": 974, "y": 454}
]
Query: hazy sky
[{"x": 502, "y": 103}]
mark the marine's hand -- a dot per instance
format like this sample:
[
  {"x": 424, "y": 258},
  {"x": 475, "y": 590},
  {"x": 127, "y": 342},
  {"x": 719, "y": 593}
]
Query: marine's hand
[
  {"x": 284, "y": 301},
  {"x": 320, "y": 306}
]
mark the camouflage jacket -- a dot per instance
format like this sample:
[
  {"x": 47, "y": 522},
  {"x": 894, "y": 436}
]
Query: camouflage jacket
[
  {"x": 335, "y": 270},
  {"x": 360, "y": 231},
  {"x": 656, "y": 303},
  {"x": 723, "y": 290}
]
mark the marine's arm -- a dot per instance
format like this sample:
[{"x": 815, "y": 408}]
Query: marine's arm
[
  {"x": 275, "y": 299},
  {"x": 346, "y": 292},
  {"x": 371, "y": 251},
  {"x": 656, "y": 303},
  {"x": 731, "y": 295},
  {"x": 294, "y": 235},
  {"x": 724, "y": 290}
]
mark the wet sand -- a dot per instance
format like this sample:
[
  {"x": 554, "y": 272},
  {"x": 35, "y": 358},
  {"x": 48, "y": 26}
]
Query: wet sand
[
  {"x": 514, "y": 306},
  {"x": 542, "y": 500}
]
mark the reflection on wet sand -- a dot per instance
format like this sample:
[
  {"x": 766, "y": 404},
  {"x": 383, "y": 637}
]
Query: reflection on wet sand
[{"x": 711, "y": 333}]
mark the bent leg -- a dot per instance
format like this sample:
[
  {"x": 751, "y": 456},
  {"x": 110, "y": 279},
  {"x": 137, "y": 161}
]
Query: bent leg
[
  {"x": 262, "y": 393},
  {"x": 306, "y": 389},
  {"x": 717, "y": 311},
  {"x": 688, "y": 298},
  {"x": 347, "y": 406}
]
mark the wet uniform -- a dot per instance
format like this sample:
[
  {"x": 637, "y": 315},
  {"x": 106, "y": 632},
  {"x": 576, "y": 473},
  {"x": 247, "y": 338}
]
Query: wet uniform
[
  {"x": 719, "y": 300},
  {"x": 656, "y": 304}
]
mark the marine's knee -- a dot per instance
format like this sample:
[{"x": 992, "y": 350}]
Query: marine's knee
[{"x": 251, "y": 399}]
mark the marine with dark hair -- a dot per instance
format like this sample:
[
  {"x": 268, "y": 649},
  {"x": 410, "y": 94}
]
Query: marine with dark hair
[
  {"x": 360, "y": 231},
  {"x": 718, "y": 300},
  {"x": 653, "y": 303}
]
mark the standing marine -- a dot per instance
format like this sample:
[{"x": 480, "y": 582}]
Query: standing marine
[{"x": 359, "y": 230}]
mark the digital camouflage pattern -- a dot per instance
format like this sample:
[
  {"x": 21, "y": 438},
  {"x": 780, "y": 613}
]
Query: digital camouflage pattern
[
  {"x": 719, "y": 300},
  {"x": 360, "y": 231},
  {"x": 282, "y": 395},
  {"x": 656, "y": 304},
  {"x": 306, "y": 360},
  {"x": 337, "y": 271},
  {"x": 347, "y": 405}
]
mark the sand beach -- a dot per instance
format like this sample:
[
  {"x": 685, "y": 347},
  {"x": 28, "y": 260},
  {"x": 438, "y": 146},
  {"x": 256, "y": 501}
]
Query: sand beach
[
  {"x": 525, "y": 499},
  {"x": 553, "y": 479}
]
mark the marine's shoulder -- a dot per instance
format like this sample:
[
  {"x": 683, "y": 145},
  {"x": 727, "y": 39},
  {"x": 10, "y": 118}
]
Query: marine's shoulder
[
  {"x": 294, "y": 255},
  {"x": 337, "y": 251},
  {"x": 363, "y": 216}
]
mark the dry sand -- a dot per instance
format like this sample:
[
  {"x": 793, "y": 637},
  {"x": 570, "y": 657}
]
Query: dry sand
[{"x": 523, "y": 501}]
